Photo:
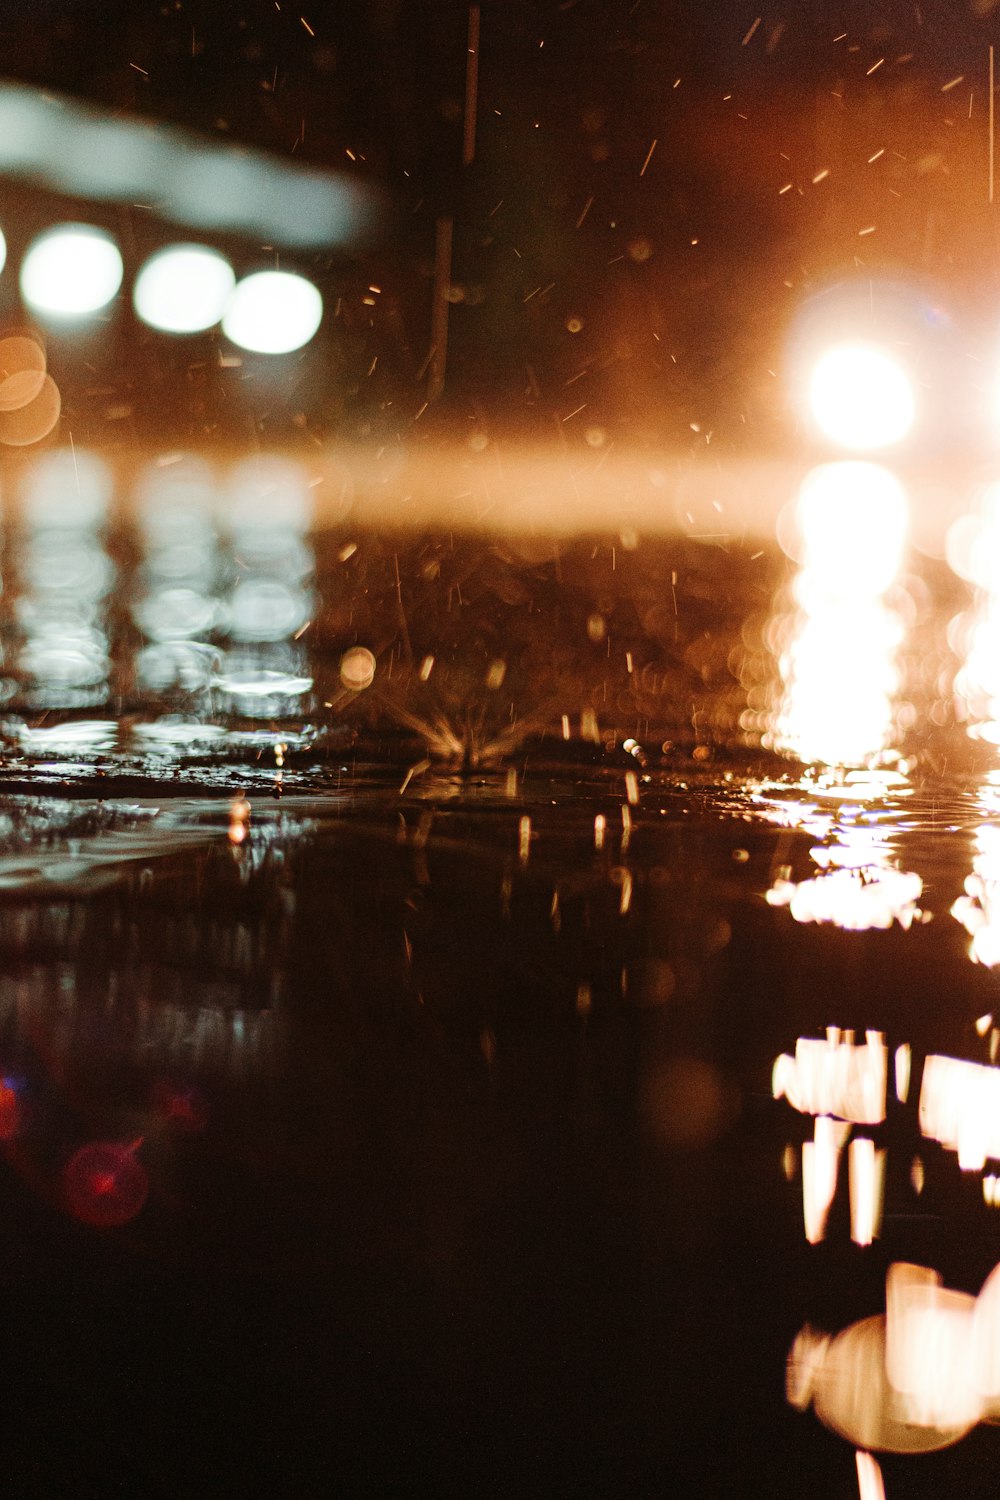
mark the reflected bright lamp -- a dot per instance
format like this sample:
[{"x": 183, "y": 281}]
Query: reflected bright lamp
[
  {"x": 273, "y": 312},
  {"x": 183, "y": 289},
  {"x": 861, "y": 397},
  {"x": 70, "y": 272}
]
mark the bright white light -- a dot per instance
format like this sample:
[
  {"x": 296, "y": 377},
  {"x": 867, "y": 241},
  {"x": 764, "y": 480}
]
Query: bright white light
[
  {"x": 183, "y": 289},
  {"x": 853, "y": 520},
  {"x": 839, "y": 661},
  {"x": 273, "y": 312},
  {"x": 71, "y": 271},
  {"x": 3, "y": 251},
  {"x": 861, "y": 397}
]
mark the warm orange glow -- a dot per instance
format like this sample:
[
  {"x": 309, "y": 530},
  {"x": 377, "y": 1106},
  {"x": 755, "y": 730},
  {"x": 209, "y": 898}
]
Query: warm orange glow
[
  {"x": 929, "y": 1342},
  {"x": 820, "y": 1167},
  {"x": 917, "y": 1379},
  {"x": 838, "y": 659},
  {"x": 903, "y": 1061},
  {"x": 832, "y": 1076},
  {"x": 960, "y": 1107},
  {"x": 870, "y": 1486},
  {"x": 867, "y": 1184}
]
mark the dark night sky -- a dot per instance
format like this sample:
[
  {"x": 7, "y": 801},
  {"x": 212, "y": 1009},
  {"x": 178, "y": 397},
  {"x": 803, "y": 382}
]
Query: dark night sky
[{"x": 652, "y": 299}]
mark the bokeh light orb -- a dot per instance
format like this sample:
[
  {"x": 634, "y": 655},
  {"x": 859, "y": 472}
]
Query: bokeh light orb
[
  {"x": 183, "y": 289},
  {"x": 861, "y": 398},
  {"x": 357, "y": 669},
  {"x": 70, "y": 272},
  {"x": 105, "y": 1184},
  {"x": 273, "y": 312}
]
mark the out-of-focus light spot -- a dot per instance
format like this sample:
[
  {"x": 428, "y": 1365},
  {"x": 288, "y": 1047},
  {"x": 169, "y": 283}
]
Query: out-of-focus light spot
[
  {"x": 856, "y": 900},
  {"x": 191, "y": 178},
  {"x": 861, "y": 397},
  {"x": 960, "y": 1107},
  {"x": 918, "y": 1175},
  {"x": 685, "y": 1102},
  {"x": 978, "y": 909},
  {"x": 838, "y": 655},
  {"x": 105, "y": 1185},
  {"x": 357, "y": 668},
  {"x": 10, "y": 1111},
  {"x": 68, "y": 489},
  {"x": 239, "y": 820},
  {"x": 273, "y": 312},
  {"x": 870, "y": 1486},
  {"x": 986, "y": 1335},
  {"x": 983, "y": 1024},
  {"x": 866, "y": 1171},
  {"x": 903, "y": 1064},
  {"x": 852, "y": 520},
  {"x": 973, "y": 552},
  {"x": 902, "y": 1383},
  {"x": 183, "y": 289},
  {"x": 22, "y": 371},
  {"x": 832, "y": 1076},
  {"x": 181, "y": 1107},
  {"x": 928, "y": 1354},
  {"x": 268, "y": 494},
  {"x": 70, "y": 272},
  {"x": 27, "y": 424},
  {"x": 265, "y": 609},
  {"x": 820, "y": 1167}
]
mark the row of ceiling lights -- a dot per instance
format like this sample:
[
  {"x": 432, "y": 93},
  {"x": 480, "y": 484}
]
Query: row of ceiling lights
[{"x": 73, "y": 271}]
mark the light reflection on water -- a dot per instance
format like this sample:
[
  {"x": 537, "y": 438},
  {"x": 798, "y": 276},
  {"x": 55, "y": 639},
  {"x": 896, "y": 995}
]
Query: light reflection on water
[
  {"x": 256, "y": 906},
  {"x": 66, "y": 578}
]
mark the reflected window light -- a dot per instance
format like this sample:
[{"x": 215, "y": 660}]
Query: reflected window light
[
  {"x": 866, "y": 1174},
  {"x": 70, "y": 272},
  {"x": 978, "y": 909},
  {"x": 273, "y": 312},
  {"x": 820, "y": 1167},
  {"x": 960, "y": 1108},
  {"x": 861, "y": 397},
  {"x": 832, "y": 1076},
  {"x": 183, "y": 289}
]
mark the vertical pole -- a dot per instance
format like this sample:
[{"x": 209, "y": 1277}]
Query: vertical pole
[
  {"x": 472, "y": 87},
  {"x": 439, "y": 311}
]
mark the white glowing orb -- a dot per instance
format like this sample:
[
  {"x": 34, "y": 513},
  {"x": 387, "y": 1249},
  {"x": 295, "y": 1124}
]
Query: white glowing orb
[
  {"x": 861, "y": 397},
  {"x": 183, "y": 289},
  {"x": 71, "y": 271},
  {"x": 273, "y": 312},
  {"x": 853, "y": 519}
]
